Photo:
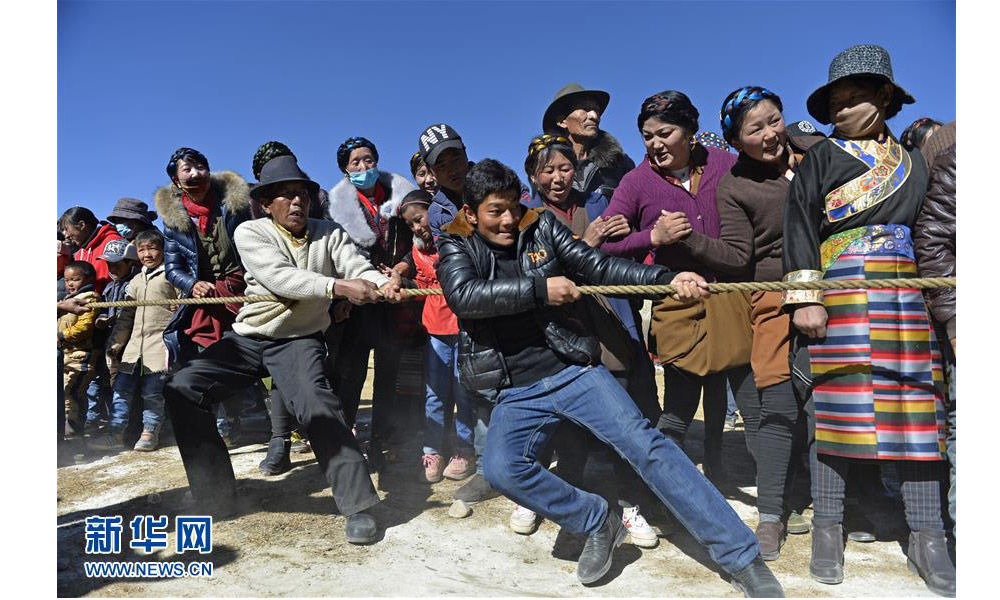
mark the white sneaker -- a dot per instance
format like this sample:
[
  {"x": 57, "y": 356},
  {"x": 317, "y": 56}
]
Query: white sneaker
[
  {"x": 523, "y": 520},
  {"x": 641, "y": 533}
]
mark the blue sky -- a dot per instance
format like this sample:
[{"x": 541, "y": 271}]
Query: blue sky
[{"x": 138, "y": 79}]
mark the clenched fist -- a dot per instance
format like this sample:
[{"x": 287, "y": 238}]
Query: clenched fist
[{"x": 561, "y": 290}]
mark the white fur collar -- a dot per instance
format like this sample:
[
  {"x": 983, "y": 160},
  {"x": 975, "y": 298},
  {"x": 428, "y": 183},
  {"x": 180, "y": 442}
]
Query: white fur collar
[{"x": 346, "y": 210}]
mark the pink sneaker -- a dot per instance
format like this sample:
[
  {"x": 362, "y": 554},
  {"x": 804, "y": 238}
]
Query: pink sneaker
[
  {"x": 433, "y": 466},
  {"x": 460, "y": 467}
]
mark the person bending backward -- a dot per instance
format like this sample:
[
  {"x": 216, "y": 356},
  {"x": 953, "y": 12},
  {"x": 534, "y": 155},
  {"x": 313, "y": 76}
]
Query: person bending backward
[
  {"x": 873, "y": 357},
  {"x": 278, "y": 460},
  {"x": 505, "y": 271},
  {"x": 669, "y": 200},
  {"x": 305, "y": 262}
]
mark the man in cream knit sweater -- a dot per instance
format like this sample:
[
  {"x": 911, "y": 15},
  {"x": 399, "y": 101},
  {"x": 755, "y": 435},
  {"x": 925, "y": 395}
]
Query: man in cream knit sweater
[{"x": 306, "y": 263}]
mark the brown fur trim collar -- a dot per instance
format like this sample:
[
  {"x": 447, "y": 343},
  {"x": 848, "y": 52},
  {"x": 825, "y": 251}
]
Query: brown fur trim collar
[
  {"x": 230, "y": 187},
  {"x": 606, "y": 151},
  {"x": 462, "y": 228}
]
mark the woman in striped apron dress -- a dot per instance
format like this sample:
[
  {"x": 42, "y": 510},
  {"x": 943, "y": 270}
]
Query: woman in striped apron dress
[{"x": 874, "y": 361}]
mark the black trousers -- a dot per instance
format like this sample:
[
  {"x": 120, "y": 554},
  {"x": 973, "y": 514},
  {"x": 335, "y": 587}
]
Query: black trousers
[
  {"x": 682, "y": 391},
  {"x": 771, "y": 418},
  {"x": 351, "y": 342},
  {"x": 297, "y": 367}
]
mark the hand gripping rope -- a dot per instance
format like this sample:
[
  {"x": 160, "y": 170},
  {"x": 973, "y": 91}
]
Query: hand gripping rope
[{"x": 921, "y": 283}]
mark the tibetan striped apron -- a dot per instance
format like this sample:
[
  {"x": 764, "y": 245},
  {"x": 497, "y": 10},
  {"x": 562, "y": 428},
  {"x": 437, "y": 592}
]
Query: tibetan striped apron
[{"x": 877, "y": 376}]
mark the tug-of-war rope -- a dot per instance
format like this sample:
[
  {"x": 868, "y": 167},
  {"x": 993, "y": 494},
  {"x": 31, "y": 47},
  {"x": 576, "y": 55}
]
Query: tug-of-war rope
[{"x": 921, "y": 283}]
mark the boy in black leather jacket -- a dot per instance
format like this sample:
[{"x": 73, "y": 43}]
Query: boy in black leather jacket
[{"x": 508, "y": 274}]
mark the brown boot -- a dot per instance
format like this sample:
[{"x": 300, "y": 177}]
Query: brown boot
[
  {"x": 827, "y": 562},
  {"x": 928, "y": 557},
  {"x": 771, "y": 536}
]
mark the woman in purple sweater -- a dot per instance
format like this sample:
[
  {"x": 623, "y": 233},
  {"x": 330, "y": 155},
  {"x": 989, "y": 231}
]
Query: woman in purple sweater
[{"x": 667, "y": 197}]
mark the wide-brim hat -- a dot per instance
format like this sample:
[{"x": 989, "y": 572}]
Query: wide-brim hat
[
  {"x": 132, "y": 208},
  {"x": 866, "y": 59},
  {"x": 565, "y": 98},
  {"x": 282, "y": 169}
]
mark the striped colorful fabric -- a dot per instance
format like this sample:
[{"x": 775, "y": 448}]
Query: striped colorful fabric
[{"x": 878, "y": 382}]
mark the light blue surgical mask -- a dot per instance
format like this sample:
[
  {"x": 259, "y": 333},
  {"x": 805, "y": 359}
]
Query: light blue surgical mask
[
  {"x": 364, "y": 180},
  {"x": 123, "y": 230}
]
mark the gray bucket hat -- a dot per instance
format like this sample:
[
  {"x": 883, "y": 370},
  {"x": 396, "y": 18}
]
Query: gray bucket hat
[
  {"x": 866, "y": 59},
  {"x": 132, "y": 208},
  {"x": 564, "y": 100}
]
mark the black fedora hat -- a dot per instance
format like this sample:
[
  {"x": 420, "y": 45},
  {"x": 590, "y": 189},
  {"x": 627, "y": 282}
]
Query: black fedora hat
[
  {"x": 865, "y": 59},
  {"x": 565, "y": 98},
  {"x": 282, "y": 169}
]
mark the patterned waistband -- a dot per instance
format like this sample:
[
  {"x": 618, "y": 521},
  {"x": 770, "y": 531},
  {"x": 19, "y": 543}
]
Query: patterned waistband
[{"x": 876, "y": 240}]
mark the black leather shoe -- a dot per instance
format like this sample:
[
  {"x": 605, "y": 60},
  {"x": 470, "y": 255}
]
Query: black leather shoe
[
  {"x": 928, "y": 557},
  {"x": 827, "y": 562},
  {"x": 277, "y": 460},
  {"x": 595, "y": 560},
  {"x": 360, "y": 528},
  {"x": 757, "y": 581}
]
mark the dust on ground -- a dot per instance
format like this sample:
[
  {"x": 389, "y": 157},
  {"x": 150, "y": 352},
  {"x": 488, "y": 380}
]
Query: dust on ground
[{"x": 285, "y": 541}]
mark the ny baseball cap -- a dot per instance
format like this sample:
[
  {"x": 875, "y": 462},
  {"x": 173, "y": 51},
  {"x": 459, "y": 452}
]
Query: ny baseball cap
[{"x": 436, "y": 139}]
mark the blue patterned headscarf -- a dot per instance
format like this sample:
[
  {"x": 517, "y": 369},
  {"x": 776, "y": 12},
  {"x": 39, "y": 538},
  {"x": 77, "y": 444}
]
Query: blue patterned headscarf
[
  {"x": 344, "y": 151},
  {"x": 737, "y": 103}
]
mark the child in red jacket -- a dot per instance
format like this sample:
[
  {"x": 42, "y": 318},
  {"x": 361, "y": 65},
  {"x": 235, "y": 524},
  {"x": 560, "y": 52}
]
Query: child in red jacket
[{"x": 444, "y": 391}]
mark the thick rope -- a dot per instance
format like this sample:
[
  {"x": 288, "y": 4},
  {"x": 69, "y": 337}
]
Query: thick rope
[{"x": 920, "y": 283}]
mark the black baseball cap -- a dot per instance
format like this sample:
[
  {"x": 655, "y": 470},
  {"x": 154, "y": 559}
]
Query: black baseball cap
[{"x": 436, "y": 139}]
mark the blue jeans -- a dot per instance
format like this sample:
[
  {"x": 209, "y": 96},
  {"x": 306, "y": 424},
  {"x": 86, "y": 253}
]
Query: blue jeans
[
  {"x": 524, "y": 420},
  {"x": 149, "y": 388},
  {"x": 731, "y": 402},
  {"x": 98, "y": 396},
  {"x": 444, "y": 392}
]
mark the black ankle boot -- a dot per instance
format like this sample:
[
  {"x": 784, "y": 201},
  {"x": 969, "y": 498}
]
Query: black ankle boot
[
  {"x": 277, "y": 461},
  {"x": 827, "y": 562},
  {"x": 928, "y": 557},
  {"x": 757, "y": 581},
  {"x": 360, "y": 528},
  {"x": 595, "y": 560}
]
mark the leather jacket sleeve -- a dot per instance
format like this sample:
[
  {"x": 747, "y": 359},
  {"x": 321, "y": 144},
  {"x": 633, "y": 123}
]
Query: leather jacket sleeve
[
  {"x": 589, "y": 265},
  {"x": 934, "y": 234},
  {"x": 471, "y": 297}
]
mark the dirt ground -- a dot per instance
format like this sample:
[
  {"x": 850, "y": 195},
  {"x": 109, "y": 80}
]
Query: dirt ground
[{"x": 285, "y": 541}]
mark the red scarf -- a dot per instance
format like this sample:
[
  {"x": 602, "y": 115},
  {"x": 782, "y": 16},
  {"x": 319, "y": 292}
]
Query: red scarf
[
  {"x": 202, "y": 211},
  {"x": 376, "y": 221}
]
